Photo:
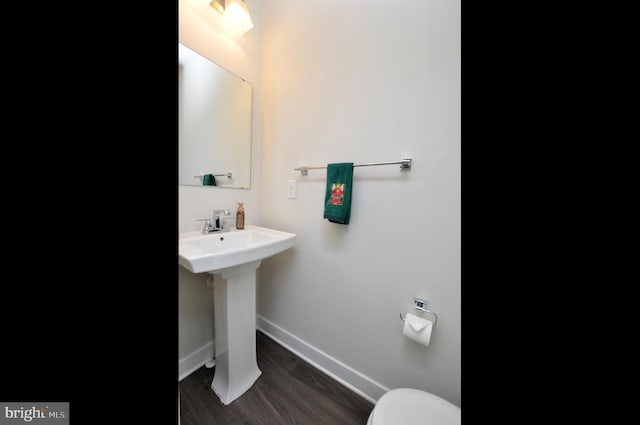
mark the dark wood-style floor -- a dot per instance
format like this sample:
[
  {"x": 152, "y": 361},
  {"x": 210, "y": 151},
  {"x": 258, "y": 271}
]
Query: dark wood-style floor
[{"x": 289, "y": 391}]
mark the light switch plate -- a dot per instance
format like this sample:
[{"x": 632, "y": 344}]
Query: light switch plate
[{"x": 291, "y": 189}]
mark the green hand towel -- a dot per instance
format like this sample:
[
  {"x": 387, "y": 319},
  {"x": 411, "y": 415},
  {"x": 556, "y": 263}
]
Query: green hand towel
[
  {"x": 337, "y": 199},
  {"x": 208, "y": 180}
]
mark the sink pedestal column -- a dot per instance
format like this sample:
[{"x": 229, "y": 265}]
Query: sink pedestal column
[{"x": 234, "y": 292}]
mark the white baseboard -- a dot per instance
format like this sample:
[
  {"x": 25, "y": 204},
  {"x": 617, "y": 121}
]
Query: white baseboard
[
  {"x": 351, "y": 378},
  {"x": 194, "y": 361}
]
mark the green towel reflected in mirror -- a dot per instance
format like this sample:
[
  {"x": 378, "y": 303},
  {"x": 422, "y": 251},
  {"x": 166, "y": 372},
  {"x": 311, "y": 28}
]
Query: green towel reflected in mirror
[{"x": 208, "y": 180}]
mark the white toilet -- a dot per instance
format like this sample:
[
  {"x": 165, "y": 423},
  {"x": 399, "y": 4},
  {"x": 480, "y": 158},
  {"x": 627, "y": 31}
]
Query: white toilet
[{"x": 408, "y": 406}]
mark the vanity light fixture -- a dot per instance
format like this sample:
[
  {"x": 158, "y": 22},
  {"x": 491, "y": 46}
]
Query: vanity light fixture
[{"x": 236, "y": 13}]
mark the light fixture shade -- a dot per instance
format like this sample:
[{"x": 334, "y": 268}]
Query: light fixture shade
[{"x": 236, "y": 13}]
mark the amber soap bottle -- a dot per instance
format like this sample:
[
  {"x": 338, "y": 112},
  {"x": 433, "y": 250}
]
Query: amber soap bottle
[{"x": 240, "y": 216}]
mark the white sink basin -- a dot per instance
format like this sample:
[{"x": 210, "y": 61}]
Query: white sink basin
[{"x": 218, "y": 251}]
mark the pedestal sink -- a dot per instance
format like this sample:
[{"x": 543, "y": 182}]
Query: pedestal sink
[{"x": 233, "y": 258}]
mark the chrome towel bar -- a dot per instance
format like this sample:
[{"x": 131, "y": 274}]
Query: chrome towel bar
[
  {"x": 405, "y": 163},
  {"x": 215, "y": 175}
]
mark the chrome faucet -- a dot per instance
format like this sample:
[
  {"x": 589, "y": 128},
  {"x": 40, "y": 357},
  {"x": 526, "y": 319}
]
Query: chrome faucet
[
  {"x": 219, "y": 217},
  {"x": 219, "y": 222}
]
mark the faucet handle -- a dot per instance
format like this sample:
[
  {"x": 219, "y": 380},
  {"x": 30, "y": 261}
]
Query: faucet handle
[{"x": 207, "y": 225}]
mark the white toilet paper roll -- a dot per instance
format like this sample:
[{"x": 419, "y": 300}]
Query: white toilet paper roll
[{"x": 417, "y": 329}]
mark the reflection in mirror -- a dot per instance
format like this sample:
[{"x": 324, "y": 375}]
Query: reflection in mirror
[{"x": 214, "y": 124}]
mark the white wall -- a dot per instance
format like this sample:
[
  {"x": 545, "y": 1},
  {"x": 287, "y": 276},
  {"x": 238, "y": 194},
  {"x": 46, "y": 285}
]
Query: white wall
[
  {"x": 365, "y": 82},
  {"x": 202, "y": 30},
  {"x": 195, "y": 324}
]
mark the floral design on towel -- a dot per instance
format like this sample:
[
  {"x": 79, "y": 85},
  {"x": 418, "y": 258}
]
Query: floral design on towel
[{"x": 337, "y": 194}]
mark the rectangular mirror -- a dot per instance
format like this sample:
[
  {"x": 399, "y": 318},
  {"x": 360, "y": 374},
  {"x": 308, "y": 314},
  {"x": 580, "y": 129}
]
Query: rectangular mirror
[{"x": 214, "y": 124}]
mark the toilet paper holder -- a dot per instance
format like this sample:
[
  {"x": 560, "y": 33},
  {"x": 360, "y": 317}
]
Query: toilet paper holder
[{"x": 420, "y": 306}]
